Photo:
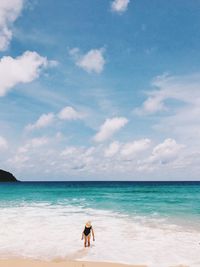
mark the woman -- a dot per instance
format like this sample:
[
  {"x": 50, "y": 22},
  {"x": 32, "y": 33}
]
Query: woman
[{"x": 87, "y": 234}]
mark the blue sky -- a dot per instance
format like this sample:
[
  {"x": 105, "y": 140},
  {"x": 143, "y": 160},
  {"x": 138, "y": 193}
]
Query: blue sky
[{"x": 100, "y": 89}]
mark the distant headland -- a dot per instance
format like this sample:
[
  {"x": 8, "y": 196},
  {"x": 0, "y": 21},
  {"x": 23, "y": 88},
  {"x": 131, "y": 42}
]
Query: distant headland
[{"x": 7, "y": 177}]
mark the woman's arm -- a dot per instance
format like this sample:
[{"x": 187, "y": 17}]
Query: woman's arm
[
  {"x": 93, "y": 234},
  {"x": 82, "y": 235}
]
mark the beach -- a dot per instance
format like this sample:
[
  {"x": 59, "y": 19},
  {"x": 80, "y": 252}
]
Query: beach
[
  {"x": 154, "y": 225},
  {"x": 34, "y": 263}
]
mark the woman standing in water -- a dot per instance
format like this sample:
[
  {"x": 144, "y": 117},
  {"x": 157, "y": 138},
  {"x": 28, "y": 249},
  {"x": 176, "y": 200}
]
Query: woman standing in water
[{"x": 87, "y": 234}]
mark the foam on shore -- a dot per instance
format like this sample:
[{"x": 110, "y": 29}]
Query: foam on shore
[{"x": 46, "y": 232}]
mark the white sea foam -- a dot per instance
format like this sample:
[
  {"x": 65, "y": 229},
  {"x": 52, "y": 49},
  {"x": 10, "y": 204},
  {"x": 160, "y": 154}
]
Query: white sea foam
[{"x": 45, "y": 231}]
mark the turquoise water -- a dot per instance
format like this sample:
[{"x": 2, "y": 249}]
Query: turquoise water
[
  {"x": 178, "y": 199},
  {"x": 135, "y": 223}
]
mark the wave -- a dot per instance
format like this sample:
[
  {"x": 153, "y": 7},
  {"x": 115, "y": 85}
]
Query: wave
[{"x": 47, "y": 231}]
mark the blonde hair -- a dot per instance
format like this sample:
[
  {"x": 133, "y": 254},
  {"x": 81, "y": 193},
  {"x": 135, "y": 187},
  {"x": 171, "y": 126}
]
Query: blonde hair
[{"x": 88, "y": 223}]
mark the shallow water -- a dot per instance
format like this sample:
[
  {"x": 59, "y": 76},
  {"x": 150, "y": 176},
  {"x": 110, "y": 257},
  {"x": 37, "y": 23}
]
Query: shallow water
[{"x": 147, "y": 223}]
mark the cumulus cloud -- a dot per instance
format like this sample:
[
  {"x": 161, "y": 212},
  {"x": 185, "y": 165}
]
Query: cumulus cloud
[
  {"x": 77, "y": 158},
  {"x": 112, "y": 149},
  {"x": 165, "y": 152},
  {"x": 44, "y": 155},
  {"x": 29, "y": 154},
  {"x": 69, "y": 113},
  {"x": 153, "y": 104},
  {"x": 43, "y": 121},
  {"x": 132, "y": 148},
  {"x": 33, "y": 143},
  {"x": 9, "y": 12},
  {"x": 109, "y": 127},
  {"x": 19, "y": 161},
  {"x": 119, "y": 6},
  {"x": 92, "y": 61},
  {"x": 3, "y": 143},
  {"x": 23, "y": 69},
  {"x": 128, "y": 149},
  {"x": 39, "y": 141}
]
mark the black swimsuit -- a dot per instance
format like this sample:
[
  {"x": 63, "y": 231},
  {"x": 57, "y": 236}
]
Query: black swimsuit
[{"x": 87, "y": 230}]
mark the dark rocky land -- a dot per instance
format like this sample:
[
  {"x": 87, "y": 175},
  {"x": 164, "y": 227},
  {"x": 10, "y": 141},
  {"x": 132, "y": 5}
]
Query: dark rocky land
[{"x": 7, "y": 177}]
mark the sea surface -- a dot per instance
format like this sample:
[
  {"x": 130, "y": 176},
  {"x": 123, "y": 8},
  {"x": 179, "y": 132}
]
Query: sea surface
[{"x": 153, "y": 223}]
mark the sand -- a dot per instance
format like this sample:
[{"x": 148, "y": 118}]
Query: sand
[
  {"x": 59, "y": 263},
  {"x": 62, "y": 263}
]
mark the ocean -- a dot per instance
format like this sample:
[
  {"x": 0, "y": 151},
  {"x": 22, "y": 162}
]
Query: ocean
[{"x": 152, "y": 223}]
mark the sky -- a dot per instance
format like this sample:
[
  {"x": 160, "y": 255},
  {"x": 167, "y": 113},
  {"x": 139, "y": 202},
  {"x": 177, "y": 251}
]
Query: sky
[{"x": 100, "y": 89}]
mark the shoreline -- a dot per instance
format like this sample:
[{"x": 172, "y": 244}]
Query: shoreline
[
  {"x": 66, "y": 263},
  {"x": 62, "y": 263},
  {"x": 129, "y": 223}
]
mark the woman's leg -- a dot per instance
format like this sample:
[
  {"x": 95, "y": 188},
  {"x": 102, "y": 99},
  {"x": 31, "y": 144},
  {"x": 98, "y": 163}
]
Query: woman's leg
[
  {"x": 85, "y": 241},
  {"x": 88, "y": 240}
]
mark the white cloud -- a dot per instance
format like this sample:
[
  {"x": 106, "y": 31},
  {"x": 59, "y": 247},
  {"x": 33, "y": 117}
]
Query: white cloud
[
  {"x": 19, "y": 161},
  {"x": 33, "y": 143},
  {"x": 153, "y": 104},
  {"x": 53, "y": 63},
  {"x": 164, "y": 154},
  {"x": 23, "y": 69},
  {"x": 9, "y": 12},
  {"x": 69, "y": 113},
  {"x": 3, "y": 143},
  {"x": 39, "y": 155},
  {"x": 43, "y": 121},
  {"x": 129, "y": 149},
  {"x": 178, "y": 97},
  {"x": 92, "y": 61},
  {"x": 31, "y": 154},
  {"x": 112, "y": 149},
  {"x": 39, "y": 141},
  {"x": 77, "y": 158},
  {"x": 109, "y": 127},
  {"x": 74, "y": 52},
  {"x": 119, "y": 6},
  {"x": 166, "y": 151},
  {"x": 184, "y": 89},
  {"x": 70, "y": 151},
  {"x": 132, "y": 148}
]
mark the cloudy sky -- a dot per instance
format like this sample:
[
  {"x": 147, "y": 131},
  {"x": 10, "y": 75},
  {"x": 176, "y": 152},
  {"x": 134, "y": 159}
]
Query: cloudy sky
[{"x": 100, "y": 89}]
